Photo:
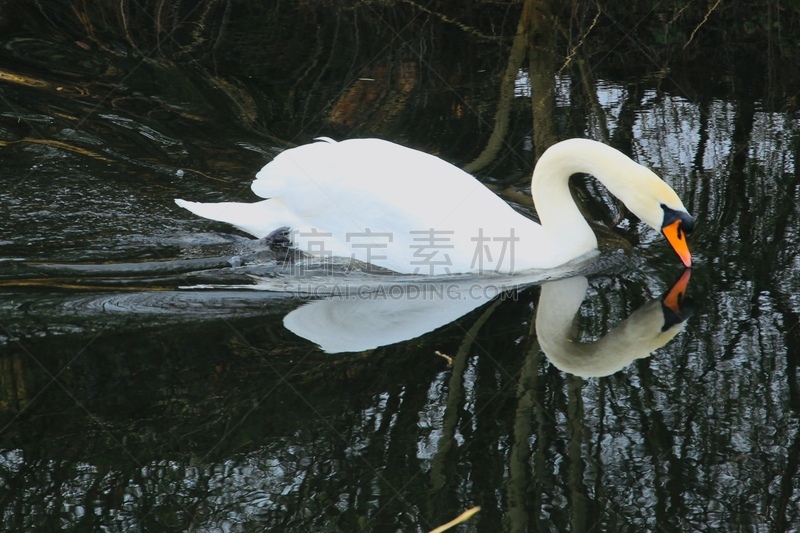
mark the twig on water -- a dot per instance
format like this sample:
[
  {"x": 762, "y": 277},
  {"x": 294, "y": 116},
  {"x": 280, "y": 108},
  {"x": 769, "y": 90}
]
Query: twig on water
[
  {"x": 446, "y": 357},
  {"x": 463, "y": 517}
]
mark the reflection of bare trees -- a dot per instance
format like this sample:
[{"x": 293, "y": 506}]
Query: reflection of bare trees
[
  {"x": 445, "y": 459},
  {"x": 506, "y": 95},
  {"x": 519, "y": 472},
  {"x": 211, "y": 432}
]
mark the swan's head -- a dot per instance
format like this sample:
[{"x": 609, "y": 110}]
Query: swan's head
[
  {"x": 657, "y": 205},
  {"x": 675, "y": 226},
  {"x": 639, "y": 188}
]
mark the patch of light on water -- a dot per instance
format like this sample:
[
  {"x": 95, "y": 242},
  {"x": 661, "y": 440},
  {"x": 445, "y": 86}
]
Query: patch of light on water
[
  {"x": 610, "y": 96},
  {"x": 431, "y": 417},
  {"x": 522, "y": 85},
  {"x": 563, "y": 91},
  {"x": 667, "y": 134},
  {"x": 718, "y": 148},
  {"x": 771, "y": 140}
]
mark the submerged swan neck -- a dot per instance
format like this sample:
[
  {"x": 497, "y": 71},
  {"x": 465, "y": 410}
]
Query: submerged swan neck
[{"x": 558, "y": 213}]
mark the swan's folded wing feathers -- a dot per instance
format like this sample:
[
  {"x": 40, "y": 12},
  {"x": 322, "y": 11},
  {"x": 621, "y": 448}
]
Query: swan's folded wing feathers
[
  {"x": 349, "y": 188},
  {"x": 369, "y": 182}
]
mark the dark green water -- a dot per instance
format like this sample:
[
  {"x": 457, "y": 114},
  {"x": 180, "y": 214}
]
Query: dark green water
[{"x": 131, "y": 403}]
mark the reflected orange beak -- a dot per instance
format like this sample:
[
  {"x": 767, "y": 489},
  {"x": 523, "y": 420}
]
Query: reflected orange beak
[
  {"x": 674, "y": 297},
  {"x": 677, "y": 239}
]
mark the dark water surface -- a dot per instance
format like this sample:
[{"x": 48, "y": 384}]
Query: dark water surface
[{"x": 146, "y": 386}]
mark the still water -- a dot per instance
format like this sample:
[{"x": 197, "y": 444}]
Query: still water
[{"x": 159, "y": 372}]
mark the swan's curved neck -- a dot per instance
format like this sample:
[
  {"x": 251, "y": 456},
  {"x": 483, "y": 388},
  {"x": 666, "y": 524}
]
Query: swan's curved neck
[{"x": 558, "y": 213}]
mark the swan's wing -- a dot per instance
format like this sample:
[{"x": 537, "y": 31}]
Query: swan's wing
[
  {"x": 361, "y": 193},
  {"x": 331, "y": 175}
]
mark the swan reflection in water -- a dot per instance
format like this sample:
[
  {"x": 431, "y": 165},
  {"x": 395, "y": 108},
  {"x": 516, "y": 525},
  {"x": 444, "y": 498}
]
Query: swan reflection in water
[
  {"x": 403, "y": 312},
  {"x": 650, "y": 327}
]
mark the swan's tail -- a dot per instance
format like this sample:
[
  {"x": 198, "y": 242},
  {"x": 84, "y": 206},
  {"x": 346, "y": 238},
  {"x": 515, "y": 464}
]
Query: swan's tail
[{"x": 258, "y": 219}]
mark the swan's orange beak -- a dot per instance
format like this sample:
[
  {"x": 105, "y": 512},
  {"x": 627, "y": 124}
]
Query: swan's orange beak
[
  {"x": 674, "y": 298},
  {"x": 677, "y": 239}
]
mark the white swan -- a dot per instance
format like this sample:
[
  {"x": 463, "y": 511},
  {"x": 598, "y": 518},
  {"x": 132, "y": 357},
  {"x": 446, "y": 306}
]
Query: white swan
[{"x": 411, "y": 212}]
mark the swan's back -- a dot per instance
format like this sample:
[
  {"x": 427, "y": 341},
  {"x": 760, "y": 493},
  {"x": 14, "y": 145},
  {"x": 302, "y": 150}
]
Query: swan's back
[{"x": 407, "y": 205}]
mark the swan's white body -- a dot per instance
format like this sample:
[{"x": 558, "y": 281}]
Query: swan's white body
[{"x": 411, "y": 212}]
